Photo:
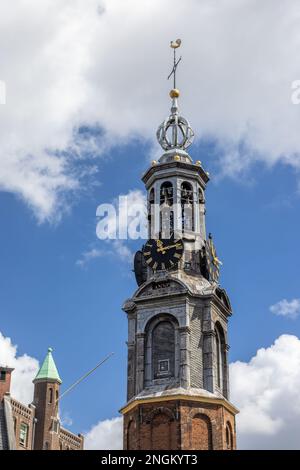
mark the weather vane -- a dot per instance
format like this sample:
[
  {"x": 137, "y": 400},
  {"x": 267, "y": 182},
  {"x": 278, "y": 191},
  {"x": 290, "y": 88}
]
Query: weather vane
[{"x": 175, "y": 45}]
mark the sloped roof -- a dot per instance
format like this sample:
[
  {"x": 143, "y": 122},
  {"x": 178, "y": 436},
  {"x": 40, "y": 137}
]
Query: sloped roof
[{"x": 48, "y": 369}]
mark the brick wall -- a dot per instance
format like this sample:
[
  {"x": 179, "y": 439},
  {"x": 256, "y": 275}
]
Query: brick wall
[
  {"x": 178, "y": 425},
  {"x": 23, "y": 419},
  {"x": 46, "y": 412},
  {"x": 5, "y": 378}
]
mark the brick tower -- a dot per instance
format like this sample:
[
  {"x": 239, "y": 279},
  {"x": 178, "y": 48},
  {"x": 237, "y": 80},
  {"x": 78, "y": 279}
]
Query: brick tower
[
  {"x": 178, "y": 383},
  {"x": 46, "y": 393}
]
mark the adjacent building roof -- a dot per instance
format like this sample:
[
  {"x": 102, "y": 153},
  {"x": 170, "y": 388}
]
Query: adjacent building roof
[{"x": 48, "y": 369}]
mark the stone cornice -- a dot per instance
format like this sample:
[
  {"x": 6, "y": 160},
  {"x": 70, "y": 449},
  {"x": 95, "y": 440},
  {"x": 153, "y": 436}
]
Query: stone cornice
[{"x": 191, "y": 398}]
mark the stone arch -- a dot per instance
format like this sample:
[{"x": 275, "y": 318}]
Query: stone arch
[
  {"x": 161, "y": 429},
  {"x": 131, "y": 435},
  {"x": 161, "y": 357},
  {"x": 162, "y": 409},
  {"x": 151, "y": 198},
  {"x": 201, "y": 432},
  {"x": 166, "y": 192},
  {"x": 229, "y": 436},
  {"x": 201, "y": 197},
  {"x": 220, "y": 359}
]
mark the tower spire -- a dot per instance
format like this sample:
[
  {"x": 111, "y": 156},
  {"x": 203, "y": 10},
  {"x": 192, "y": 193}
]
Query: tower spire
[
  {"x": 175, "y": 133},
  {"x": 48, "y": 370}
]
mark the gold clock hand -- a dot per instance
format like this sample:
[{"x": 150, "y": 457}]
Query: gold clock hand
[{"x": 177, "y": 245}]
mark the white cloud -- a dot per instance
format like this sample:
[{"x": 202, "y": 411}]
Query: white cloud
[
  {"x": 90, "y": 255},
  {"x": 105, "y": 435},
  {"x": 266, "y": 390},
  {"x": 102, "y": 63},
  {"x": 26, "y": 368},
  {"x": 114, "y": 248},
  {"x": 119, "y": 221},
  {"x": 286, "y": 308}
]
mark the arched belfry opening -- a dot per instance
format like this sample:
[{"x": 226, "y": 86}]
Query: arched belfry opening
[
  {"x": 187, "y": 207},
  {"x": 161, "y": 350},
  {"x": 166, "y": 222},
  {"x": 220, "y": 359}
]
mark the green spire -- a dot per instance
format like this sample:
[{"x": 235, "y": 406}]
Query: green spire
[{"x": 48, "y": 369}]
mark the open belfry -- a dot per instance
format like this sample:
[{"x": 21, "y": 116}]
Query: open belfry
[{"x": 178, "y": 381}]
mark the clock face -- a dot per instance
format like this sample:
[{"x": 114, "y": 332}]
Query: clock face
[
  {"x": 163, "y": 254},
  {"x": 213, "y": 262}
]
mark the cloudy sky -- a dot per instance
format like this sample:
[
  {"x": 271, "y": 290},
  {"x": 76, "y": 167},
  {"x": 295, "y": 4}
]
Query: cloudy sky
[{"x": 82, "y": 90}]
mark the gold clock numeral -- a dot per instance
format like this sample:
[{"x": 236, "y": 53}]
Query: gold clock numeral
[
  {"x": 171, "y": 263},
  {"x": 149, "y": 260},
  {"x": 177, "y": 255},
  {"x": 147, "y": 253},
  {"x": 155, "y": 265},
  {"x": 163, "y": 266}
]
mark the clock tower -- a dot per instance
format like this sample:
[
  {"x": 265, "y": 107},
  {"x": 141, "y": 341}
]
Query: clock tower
[{"x": 177, "y": 375}]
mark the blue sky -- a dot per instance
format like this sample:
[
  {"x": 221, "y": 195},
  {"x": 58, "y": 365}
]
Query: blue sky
[{"x": 48, "y": 300}]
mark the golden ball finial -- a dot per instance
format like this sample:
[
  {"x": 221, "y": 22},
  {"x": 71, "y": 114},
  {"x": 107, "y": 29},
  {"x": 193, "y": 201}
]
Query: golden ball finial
[
  {"x": 198, "y": 162},
  {"x": 175, "y": 44},
  {"x": 174, "y": 93},
  {"x": 176, "y": 157},
  {"x": 154, "y": 162}
]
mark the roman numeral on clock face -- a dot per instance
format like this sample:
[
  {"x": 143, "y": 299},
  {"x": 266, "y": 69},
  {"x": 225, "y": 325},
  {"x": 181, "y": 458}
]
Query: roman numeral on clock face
[{"x": 163, "y": 254}]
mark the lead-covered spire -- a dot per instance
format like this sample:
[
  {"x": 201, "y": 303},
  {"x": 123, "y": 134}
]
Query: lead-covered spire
[{"x": 175, "y": 133}]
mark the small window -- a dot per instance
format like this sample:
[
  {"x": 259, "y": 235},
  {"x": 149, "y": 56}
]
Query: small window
[
  {"x": 163, "y": 366},
  {"x": 23, "y": 434},
  {"x": 2, "y": 375},
  {"x": 55, "y": 426},
  {"x": 50, "y": 395}
]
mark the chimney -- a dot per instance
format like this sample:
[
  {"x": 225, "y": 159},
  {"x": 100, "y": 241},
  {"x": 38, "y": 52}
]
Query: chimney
[{"x": 5, "y": 377}]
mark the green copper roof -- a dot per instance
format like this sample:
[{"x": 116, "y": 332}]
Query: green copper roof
[{"x": 48, "y": 369}]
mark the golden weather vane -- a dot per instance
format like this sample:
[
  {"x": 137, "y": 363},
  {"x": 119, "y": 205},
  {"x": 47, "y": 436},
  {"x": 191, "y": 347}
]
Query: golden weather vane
[{"x": 174, "y": 45}]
